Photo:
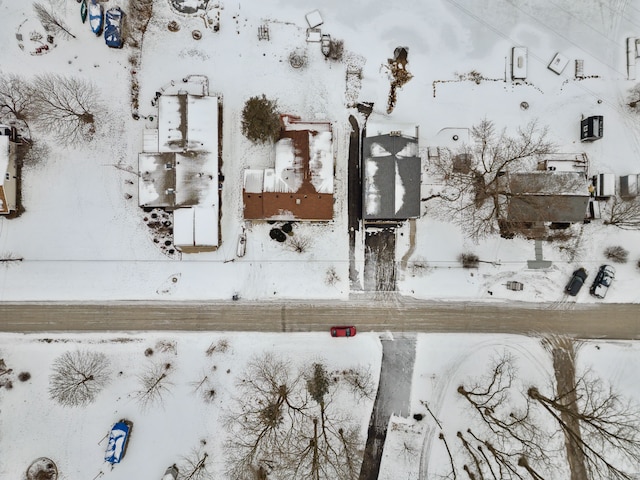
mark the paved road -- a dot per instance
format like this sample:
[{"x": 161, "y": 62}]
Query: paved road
[{"x": 617, "y": 321}]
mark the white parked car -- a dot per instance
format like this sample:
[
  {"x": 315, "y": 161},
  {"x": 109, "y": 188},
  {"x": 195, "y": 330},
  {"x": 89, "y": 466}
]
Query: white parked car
[
  {"x": 603, "y": 280},
  {"x": 242, "y": 244}
]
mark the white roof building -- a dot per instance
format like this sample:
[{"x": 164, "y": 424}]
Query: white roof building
[
  {"x": 195, "y": 227},
  {"x": 179, "y": 166}
]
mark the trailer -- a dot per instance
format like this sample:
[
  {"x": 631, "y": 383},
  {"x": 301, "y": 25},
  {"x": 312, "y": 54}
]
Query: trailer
[
  {"x": 604, "y": 185},
  {"x": 519, "y": 63}
]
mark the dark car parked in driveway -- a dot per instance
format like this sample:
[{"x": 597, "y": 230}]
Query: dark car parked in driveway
[
  {"x": 113, "y": 27},
  {"x": 603, "y": 280},
  {"x": 576, "y": 282}
]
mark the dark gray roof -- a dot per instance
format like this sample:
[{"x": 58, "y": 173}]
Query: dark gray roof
[
  {"x": 547, "y": 208},
  {"x": 391, "y": 178},
  {"x": 547, "y": 197}
]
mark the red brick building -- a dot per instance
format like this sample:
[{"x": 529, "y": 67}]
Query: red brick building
[{"x": 300, "y": 186}]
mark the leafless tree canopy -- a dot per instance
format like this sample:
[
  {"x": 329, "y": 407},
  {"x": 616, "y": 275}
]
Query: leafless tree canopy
[
  {"x": 154, "y": 384},
  {"x": 624, "y": 214},
  {"x": 582, "y": 430},
  {"x": 15, "y": 98},
  {"x": 8, "y": 259},
  {"x": 286, "y": 423},
  {"x": 65, "y": 107},
  {"x": 78, "y": 377},
  {"x": 195, "y": 466},
  {"x": 50, "y": 21},
  {"x": 360, "y": 382},
  {"x": 299, "y": 244},
  {"x": 474, "y": 195}
]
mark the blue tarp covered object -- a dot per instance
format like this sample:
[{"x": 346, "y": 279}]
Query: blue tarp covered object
[{"x": 118, "y": 437}]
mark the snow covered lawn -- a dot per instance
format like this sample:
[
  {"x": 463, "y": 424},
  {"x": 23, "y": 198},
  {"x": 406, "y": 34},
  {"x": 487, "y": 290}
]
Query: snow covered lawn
[
  {"x": 199, "y": 391},
  {"x": 82, "y": 235},
  {"x": 446, "y": 361}
]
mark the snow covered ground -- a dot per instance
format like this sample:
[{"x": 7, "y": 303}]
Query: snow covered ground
[
  {"x": 165, "y": 431},
  {"x": 82, "y": 238},
  {"x": 444, "y": 362},
  {"x": 82, "y": 235}
]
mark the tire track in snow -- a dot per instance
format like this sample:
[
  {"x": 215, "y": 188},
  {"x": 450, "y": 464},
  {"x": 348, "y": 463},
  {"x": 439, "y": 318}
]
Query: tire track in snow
[{"x": 443, "y": 386}]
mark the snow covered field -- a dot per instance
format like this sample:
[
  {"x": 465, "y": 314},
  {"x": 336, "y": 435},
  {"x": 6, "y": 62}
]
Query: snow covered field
[
  {"x": 205, "y": 386},
  {"x": 82, "y": 236},
  {"x": 201, "y": 389},
  {"x": 444, "y": 362}
]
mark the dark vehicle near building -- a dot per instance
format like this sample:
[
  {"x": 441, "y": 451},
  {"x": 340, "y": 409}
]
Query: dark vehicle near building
[
  {"x": 603, "y": 280},
  {"x": 577, "y": 280}
]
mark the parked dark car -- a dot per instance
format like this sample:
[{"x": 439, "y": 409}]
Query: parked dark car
[
  {"x": 113, "y": 27},
  {"x": 576, "y": 282},
  {"x": 603, "y": 280},
  {"x": 343, "y": 331}
]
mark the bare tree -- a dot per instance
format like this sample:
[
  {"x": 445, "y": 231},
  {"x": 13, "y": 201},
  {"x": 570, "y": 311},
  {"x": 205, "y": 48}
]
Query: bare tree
[
  {"x": 474, "y": 194},
  {"x": 288, "y": 424},
  {"x": 299, "y": 244},
  {"x": 50, "y": 21},
  {"x": 601, "y": 428},
  {"x": 624, "y": 214},
  {"x": 195, "y": 466},
  {"x": 8, "y": 259},
  {"x": 506, "y": 432},
  {"x": 582, "y": 427},
  {"x": 66, "y": 107},
  {"x": 78, "y": 376},
  {"x": 221, "y": 346},
  {"x": 154, "y": 384},
  {"x": 360, "y": 382},
  {"x": 15, "y": 98},
  {"x": 269, "y": 406},
  {"x": 204, "y": 387}
]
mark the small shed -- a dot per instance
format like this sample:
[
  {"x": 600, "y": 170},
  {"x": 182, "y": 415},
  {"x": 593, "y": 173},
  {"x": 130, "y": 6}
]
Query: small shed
[
  {"x": 314, "y": 19},
  {"x": 519, "y": 63},
  {"x": 591, "y": 128},
  {"x": 629, "y": 185},
  {"x": 558, "y": 63}
]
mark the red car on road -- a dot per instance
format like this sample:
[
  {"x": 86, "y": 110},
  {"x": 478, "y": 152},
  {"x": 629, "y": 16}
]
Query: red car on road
[{"x": 343, "y": 331}]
